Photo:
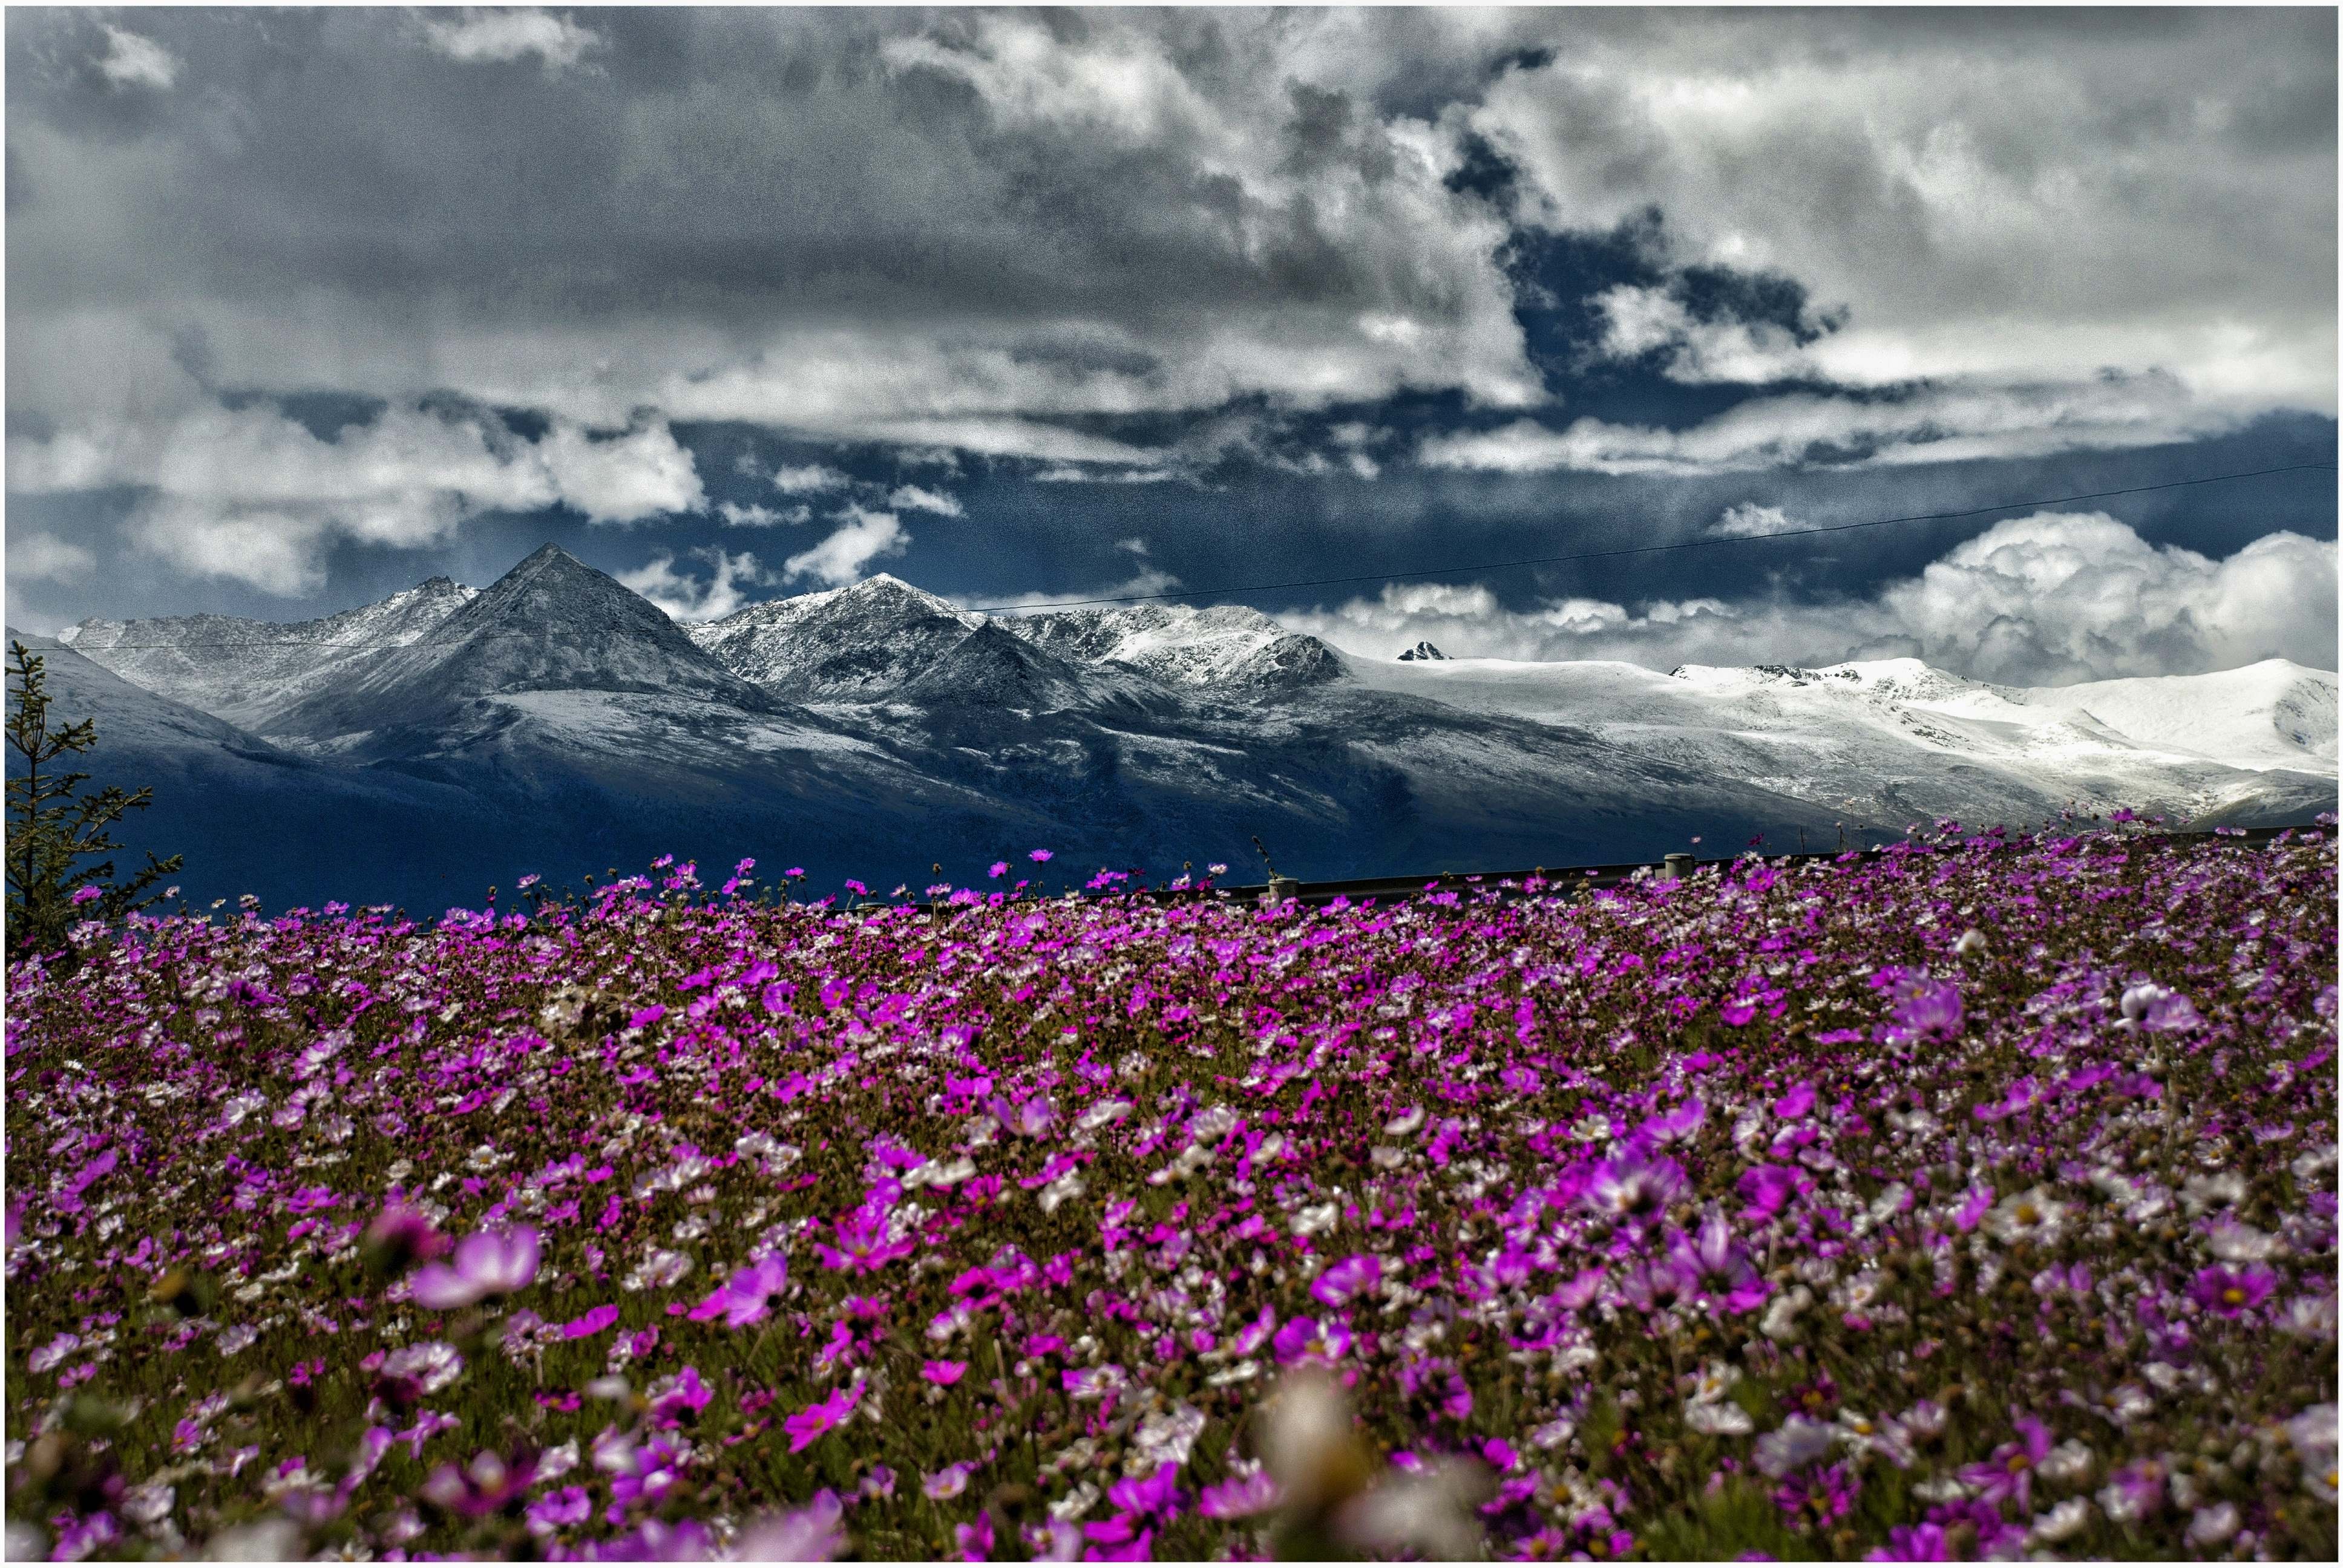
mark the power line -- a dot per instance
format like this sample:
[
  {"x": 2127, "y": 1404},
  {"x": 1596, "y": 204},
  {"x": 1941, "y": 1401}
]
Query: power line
[
  {"x": 1647, "y": 549},
  {"x": 1417, "y": 572}
]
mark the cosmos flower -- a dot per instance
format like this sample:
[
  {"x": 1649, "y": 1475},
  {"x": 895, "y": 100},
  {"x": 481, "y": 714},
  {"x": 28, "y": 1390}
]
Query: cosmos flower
[
  {"x": 487, "y": 1263},
  {"x": 749, "y": 1296},
  {"x": 811, "y": 1422}
]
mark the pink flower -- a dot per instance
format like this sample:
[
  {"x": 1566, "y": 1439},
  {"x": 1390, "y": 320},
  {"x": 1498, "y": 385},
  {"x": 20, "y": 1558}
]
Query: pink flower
[
  {"x": 1239, "y": 1496},
  {"x": 943, "y": 1374},
  {"x": 1039, "y": 857},
  {"x": 2230, "y": 1292},
  {"x": 1323, "y": 1341},
  {"x": 487, "y": 1263},
  {"x": 89, "y": 895},
  {"x": 813, "y": 1421},
  {"x": 1342, "y": 1283},
  {"x": 1765, "y": 1188},
  {"x": 809, "y": 1535},
  {"x": 999, "y": 868},
  {"x": 748, "y": 1297},
  {"x": 863, "y": 1242},
  {"x": 590, "y": 1323},
  {"x": 1149, "y": 1495}
]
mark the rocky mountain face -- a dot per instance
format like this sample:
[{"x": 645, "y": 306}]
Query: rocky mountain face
[
  {"x": 557, "y": 722},
  {"x": 245, "y": 670}
]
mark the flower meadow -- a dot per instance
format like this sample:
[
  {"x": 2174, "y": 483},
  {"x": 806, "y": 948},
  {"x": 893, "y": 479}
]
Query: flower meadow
[{"x": 1973, "y": 1199}]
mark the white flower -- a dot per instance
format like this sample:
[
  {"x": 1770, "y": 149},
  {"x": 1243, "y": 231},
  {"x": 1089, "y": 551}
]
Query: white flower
[
  {"x": 2225, "y": 1190},
  {"x": 2068, "y": 1463},
  {"x": 1972, "y": 942},
  {"x": 236, "y": 1339},
  {"x": 1164, "y": 1439},
  {"x": 1070, "y": 1185},
  {"x": 2213, "y": 1525},
  {"x": 2032, "y": 1215},
  {"x": 2235, "y": 1241},
  {"x": 1405, "y": 1122},
  {"x": 1719, "y": 1419},
  {"x": 2308, "y": 1318},
  {"x": 1797, "y": 1442},
  {"x": 1781, "y": 1321},
  {"x": 1318, "y": 1217},
  {"x": 2063, "y": 1522},
  {"x": 431, "y": 1365}
]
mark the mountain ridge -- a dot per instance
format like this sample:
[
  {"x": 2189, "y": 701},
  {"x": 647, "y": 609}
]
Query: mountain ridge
[{"x": 874, "y": 729}]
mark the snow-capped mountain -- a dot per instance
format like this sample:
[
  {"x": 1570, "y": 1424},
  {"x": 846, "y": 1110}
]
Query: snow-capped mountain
[
  {"x": 840, "y": 645},
  {"x": 244, "y": 671},
  {"x": 1227, "y": 647},
  {"x": 877, "y": 729},
  {"x": 550, "y": 625}
]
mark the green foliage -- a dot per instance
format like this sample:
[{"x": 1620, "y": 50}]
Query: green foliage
[{"x": 53, "y": 826}]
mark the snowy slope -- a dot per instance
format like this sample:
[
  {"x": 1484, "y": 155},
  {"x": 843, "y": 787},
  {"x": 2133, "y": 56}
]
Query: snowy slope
[
  {"x": 1225, "y": 645},
  {"x": 551, "y": 624},
  {"x": 1889, "y": 740},
  {"x": 877, "y": 729},
  {"x": 2274, "y": 714},
  {"x": 843, "y": 645},
  {"x": 246, "y": 670}
]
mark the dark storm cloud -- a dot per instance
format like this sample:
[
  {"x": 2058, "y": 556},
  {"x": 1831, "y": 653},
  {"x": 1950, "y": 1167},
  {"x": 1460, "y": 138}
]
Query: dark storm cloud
[{"x": 302, "y": 300}]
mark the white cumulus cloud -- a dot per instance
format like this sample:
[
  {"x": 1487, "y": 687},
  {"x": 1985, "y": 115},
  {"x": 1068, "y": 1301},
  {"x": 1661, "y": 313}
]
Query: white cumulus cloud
[
  {"x": 811, "y": 479},
  {"x": 47, "y": 558},
  {"x": 840, "y": 559},
  {"x": 685, "y": 596},
  {"x": 912, "y": 499},
  {"x": 134, "y": 60},
  {"x": 253, "y": 494},
  {"x": 2044, "y": 600},
  {"x": 478, "y": 35},
  {"x": 1934, "y": 424},
  {"x": 1749, "y": 520},
  {"x": 757, "y": 516}
]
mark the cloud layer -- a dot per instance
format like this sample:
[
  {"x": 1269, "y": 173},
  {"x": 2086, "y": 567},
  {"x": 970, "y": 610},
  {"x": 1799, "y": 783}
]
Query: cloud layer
[
  {"x": 921, "y": 258},
  {"x": 2043, "y": 601}
]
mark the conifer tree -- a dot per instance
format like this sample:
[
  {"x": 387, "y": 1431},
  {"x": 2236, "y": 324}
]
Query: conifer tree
[{"x": 53, "y": 826}]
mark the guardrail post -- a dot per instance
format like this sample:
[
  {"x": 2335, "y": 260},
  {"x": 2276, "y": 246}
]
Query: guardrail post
[{"x": 1679, "y": 867}]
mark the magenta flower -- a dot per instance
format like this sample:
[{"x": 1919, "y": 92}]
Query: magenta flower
[
  {"x": 1039, "y": 857},
  {"x": 946, "y": 1483},
  {"x": 749, "y": 1296},
  {"x": 1926, "y": 1009},
  {"x": 1341, "y": 1283},
  {"x": 1652, "y": 1285},
  {"x": 487, "y": 1263},
  {"x": 1634, "y": 1190},
  {"x": 1000, "y": 870},
  {"x": 590, "y": 1323},
  {"x": 89, "y": 895},
  {"x": 864, "y": 1243},
  {"x": 1317, "y": 1341},
  {"x": 2230, "y": 1292},
  {"x": 1719, "y": 1266},
  {"x": 1765, "y": 1188},
  {"x": 813, "y": 1421},
  {"x": 808, "y": 1534},
  {"x": 1914, "y": 1543},
  {"x": 943, "y": 1374},
  {"x": 1143, "y": 1497},
  {"x": 568, "y": 1505},
  {"x": 2009, "y": 1474},
  {"x": 1239, "y": 1496}
]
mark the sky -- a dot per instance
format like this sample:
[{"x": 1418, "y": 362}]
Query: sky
[{"x": 304, "y": 307}]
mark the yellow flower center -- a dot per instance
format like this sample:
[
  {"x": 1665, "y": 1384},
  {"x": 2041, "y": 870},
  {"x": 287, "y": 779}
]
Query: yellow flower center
[{"x": 2234, "y": 1297}]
